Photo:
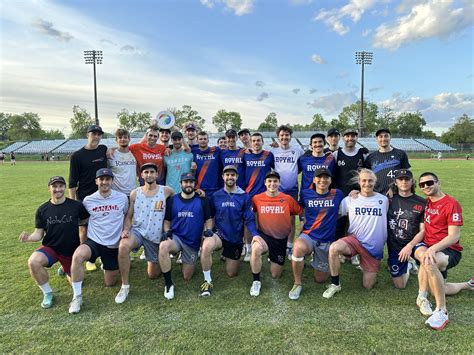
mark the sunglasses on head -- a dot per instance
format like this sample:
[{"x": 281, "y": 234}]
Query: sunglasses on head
[{"x": 424, "y": 184}]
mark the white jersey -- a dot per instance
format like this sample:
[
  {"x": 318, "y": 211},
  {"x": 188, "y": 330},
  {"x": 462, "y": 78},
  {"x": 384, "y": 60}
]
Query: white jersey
[
  {"x": 106, "y": 217},
  {"x": 149, "y": 213},
  {"x": 286, "y": 164},
  {"x": 368, "y": 221},
  {"x": 124, "y": 167}
]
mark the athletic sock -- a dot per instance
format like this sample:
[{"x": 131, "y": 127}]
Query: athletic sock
[
  {"x": 125, "y": 286},
  {"x": 335, "y": 280},
  {"x": 423, "y": 294},
  {"x": 77, "y": 288},
  {"x": 256, "y": 276},
  {"x": 168, "y": 282},
  {"x": 248, "y": 248},
  {"x": 45, "y": 288},
  {"x": 207, "y": 276},
  {"x": 289, "y": 245}
]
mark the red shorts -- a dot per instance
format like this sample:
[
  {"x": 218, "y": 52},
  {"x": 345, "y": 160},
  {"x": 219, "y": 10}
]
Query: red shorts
[
  {"x": 367, "y": 262},
  {"x": 54, "y": 257}
]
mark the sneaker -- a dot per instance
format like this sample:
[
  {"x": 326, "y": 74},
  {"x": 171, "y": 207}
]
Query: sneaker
[
  {"x": 424, "y": 305},
  {"x": 47, "y": 300},
  {"x": 332, "y": 289},
  {"x": 438, "y": 320},
  {"x": 75, "y": 305},
  {"x": 414, "y": 267},
  {"x": 355, "y": 260},
  {"x": 142, "y": 255},
  {"x": 244, "y": 251},
  {"x": 61, "y": 271},
  {"x": 91, "y": 266},
  {"x": 471, "y": 282},
  {"x": 295, "y": 292},
  {"x": 206, "y": 289},
  {"x": 179, "y": 259},
  {"x": 342, "y": 259},
  {"x": 247, "y": 257},
  {"x": 122, "y": 295},
  {"x": 255, "y": 289},
  {"x": 289, "y": 253},
  {"x": 170, "y": 293}
]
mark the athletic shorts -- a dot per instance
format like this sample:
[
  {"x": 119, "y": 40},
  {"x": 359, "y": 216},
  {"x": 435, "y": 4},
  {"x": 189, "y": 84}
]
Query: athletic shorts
[
  {"x": 109, "y": 256},
  {"x": 395, "y": 266},
  {"x": 367, "y": 262},
  {"x": 454, "y": 257},
  {"x": 230, "y": 250},
  {"x": 188, "y": 254},
  {"x": 54, "y": 257},
  {"x": 276, "y": 248},
  {"x": 320, "y": 253},
  {"x": 151, "y": 248}
]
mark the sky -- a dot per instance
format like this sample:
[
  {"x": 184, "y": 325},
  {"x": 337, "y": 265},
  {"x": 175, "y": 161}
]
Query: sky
[{"x": 292, "y": 57}]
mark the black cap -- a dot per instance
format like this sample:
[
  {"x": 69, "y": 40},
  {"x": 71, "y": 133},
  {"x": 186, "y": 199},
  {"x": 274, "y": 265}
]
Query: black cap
[
  {"x": 188, "y": 176},
  {"x": 190, "y": 126},
  {"x": 230, "y": 167},
  {"x": 350, "y": 131},
  {"x": 56, "y": 179},
  {"x": 244, "y": 130},
  {"x": 164, "y": 129},
  {"x": 104, "y": 172},
  {"x": 176, "y": 134},
  {"x": 147, "y": 166},
  {"x": 322, "y": 171},
  {"x": 231, "y": 133},
  {"x": 272, "y": 173},
  {"x": 317, "y": 135},
  {"x": 95, "y": 128},
  {"x": 403, "y": 173},
  {"x": 332, "y": 131},
  {"x": 381, "y": 130}
]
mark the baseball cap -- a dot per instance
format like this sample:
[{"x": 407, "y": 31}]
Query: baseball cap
[
  {"x": 272, "y": 173},
  {"x": 164, "y": 129},
  {"x": 188, "y": 176},
  {"x": 322, "y": 171},
  {"x": 176, "y": 134},
  {"x": 190, "y": 126},
  {"x": 403, "y": 173},
  {"x": 332, "y": 131},
  {"x": 104, "y": 172},
  {"x": 148, "y": 165},
  {"x": 350, "y": 131},
  {"x": 231, "y": 133},
  {"x": 244, "y": 130},
  {"x": 230, "y": 167},
  {"x": 54, "y": 179},
  {"x": 317, "y": 135},
  {"x": 381, "y": 130},
  {"x": 95, "y": 128}
]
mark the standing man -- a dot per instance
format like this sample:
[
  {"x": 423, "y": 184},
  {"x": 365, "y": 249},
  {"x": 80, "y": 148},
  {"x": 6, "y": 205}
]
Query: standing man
[
  {"x": 208, "y": 164},
  {"x": 367, "y": 233},
  {"x": 385, "y": 161},
  {"x": 274, "y": 210},
  {"x": 190, "y": 131},
  {"x": 143, "y": 227},
  {"x": 332, "y": 139},
  {"x": 321, "y": 207},
  {"x": 244, "y": 136},
  {"x": 232, "y": 208},
  {"x": 178, "y": 162},
  {"x": 123, "y": 164},
  {"x": 12, "y": 158},
  {"x": 185, "y": 217},
  {"x": 439, "y": 251},
  {"x": 222, "y": 143},
  {"x": 164, "y": 134},
  {"x": 57, "y": 226},
  {"x": 233, "y": 155},
  {"x": 107, "y": 208}
]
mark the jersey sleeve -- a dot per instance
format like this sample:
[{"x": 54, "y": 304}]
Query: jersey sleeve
[
  {"x": 169, "y": 208},
  {"x": 39, "y": 222},
  {"x": 272, "y": 160},
  {"x": 249, "y": 216},
  {"x": 404, "y": 163},
  {"x": 295, "y": 208},
  {"x": 455, "y": 214},
  {"x": 343, "y": 208},
  {"x": 206, "y": 208},
  {"x": 73, "y": 171},
  {"x": 83, "y": 214}
]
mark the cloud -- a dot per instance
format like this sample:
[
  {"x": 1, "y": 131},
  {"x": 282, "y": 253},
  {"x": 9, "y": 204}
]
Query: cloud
[
  {"x": 239, "y": 7},
  {"x": 259, "y": 83},
  {"x": 207, "y": 3},
  {"x": 47, "y": 28},
  {"x": 367, "y": 32},
  {"x": 432, "y": 18},
  {"x": 333, "y": 104},
  {"x": 375, "y": 89},
  {"x": 300, "y": 2},
  {"x": 295, "y": 91},
  {"x": 107, "y": 41},
  {"x": 263, "y": 96},
  {"x": 342, "y": 75},
  {"x": 334, "y": 18},
  {"x": 127, "y": 48},
  {"x": 317, "y": 59},
  {"x": 312, "y": 91}
]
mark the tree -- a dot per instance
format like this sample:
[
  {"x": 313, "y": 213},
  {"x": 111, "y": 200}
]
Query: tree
[
  {"x": 25, "y": 127},
  {"x": 80, "y": 121},
  {"x": 269, "y": 124},
  {"x": 461, "y": 132},
  {"x": 185, "y": 115},
  {"x": 135, "y": 121},
  {"x": 4, "y": 125},
  {"x": 351, "y": 114},
  {"x": 386, "y": 118},
  {"x": 224, "y": 120},
  {"x": 429, "y": 135},
  {"x": 409, "y": 124},
  {"x": 53, "y": 134},
  {"x": 317, "y": 124}
]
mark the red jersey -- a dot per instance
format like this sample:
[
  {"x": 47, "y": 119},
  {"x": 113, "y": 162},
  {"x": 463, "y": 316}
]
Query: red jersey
[
  {"x": 438, "y": 216},
  {"x": 144, "y": 154},
  {"x": 274, "y": 213}
]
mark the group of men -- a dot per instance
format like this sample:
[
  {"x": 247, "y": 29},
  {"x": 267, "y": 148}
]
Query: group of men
[{"x": 194, "y": 199}]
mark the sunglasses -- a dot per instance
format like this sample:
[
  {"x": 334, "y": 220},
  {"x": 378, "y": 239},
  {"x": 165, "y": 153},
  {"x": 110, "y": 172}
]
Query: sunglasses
[{"x": 424, "y": 184}]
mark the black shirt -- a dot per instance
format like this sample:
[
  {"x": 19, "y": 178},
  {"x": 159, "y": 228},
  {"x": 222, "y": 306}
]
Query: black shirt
[
  {"x": 346, "y": 168},
  {"x": 61, "y": 224}
]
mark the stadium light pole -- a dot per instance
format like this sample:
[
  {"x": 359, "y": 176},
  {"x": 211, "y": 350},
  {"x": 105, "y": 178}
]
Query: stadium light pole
[
  {"x": 94, "y": 57},
  {"x": 362, "y": 58}
]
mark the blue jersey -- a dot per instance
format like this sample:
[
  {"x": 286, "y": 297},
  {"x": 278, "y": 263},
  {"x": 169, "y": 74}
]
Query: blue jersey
[
  {"x": 256, "y": 167},
  {"x": 208, "y": 172},
  {"x": 187, "y": 217},
  {"x": 308, "y": 163},
  {"x": 235, "y": 157},
  {"x": 321, "y": 212},
  {"x": 231, "y": 211}
]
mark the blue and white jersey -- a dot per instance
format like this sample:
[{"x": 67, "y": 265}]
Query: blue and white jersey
[
  {"x": 308, "y": 163},
  {"x": 208, "y": 172},
  {"x": 235, "y": 157},
  {"x": 286, "y": 164}
]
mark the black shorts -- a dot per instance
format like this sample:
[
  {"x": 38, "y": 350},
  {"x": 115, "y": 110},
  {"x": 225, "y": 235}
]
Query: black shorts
[
  {"x": 276, "y": 248},
  {"x": 230, "y": 250},
  {"x": 108, "y": 256},
  {"x": 454, "y": 257}
]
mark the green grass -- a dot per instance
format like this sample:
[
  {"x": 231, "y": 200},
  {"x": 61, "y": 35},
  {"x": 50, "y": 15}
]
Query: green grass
[{"x": 355, "y": 320}]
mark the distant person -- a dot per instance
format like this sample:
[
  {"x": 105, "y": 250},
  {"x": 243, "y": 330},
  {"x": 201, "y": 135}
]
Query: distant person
[
  {"x": 222, "y": 143},
  {"x": 332, "y": 138},
  {"x": 468, "y": 156},
  {"x": 12, "y": 158},
  {"x": 2, "y": 157},
  {"x": 440, "y": 155},
  {"x": 123, "y": 164}
]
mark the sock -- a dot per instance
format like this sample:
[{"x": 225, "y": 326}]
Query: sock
[
  {"x": 125, "y": 286},
  {"x": 423, "y": 294},
  {"x": 207, "y": 276},
  {"x": 289, "y": 245},
  {"x": 168, "y": 282},
  {"x": 77, "y": 288},
  {"x": 256, "y": 276},
  {"x": 335, "y": 280},
  {"x": 248, "y": 248},
  {"x": 45, "y": 288}
]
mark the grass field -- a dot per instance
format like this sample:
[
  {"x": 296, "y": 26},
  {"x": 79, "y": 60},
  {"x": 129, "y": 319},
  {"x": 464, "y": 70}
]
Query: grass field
[{"x": 355, "y": 320}]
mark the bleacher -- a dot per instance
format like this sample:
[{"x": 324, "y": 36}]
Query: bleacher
[
  {"x": 409, "y": 145},
  {"x": 14, "y": 147},
  {"x": 433, "y": 144},
  {"x": 70, "y": 146},
  {"x": 369, "y": 143},
  {"x": 40, "y": 147}
]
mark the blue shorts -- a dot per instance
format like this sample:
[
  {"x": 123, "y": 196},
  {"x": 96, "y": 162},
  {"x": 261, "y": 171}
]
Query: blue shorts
[{"x": 396, "y": 267}]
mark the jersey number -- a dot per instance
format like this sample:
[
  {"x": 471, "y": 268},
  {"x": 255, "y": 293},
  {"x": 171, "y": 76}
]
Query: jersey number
[{"x": 390, "y": 174}]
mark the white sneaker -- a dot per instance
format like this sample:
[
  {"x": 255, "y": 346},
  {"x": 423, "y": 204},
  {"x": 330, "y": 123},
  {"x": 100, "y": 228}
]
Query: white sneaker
[
  {"x": 255, "y": 289},
  {"x": 355, "y": 260},
  {"x": 332, "y": 289},
  {"x": 438, "y": 320},
  {"x": 142, "y": 255},
  {"x": 170, "y": 293},
  {"x": 179, "y": 259},
  {"x": 244, "y": 251},
  {"x": 295, "y": 292},
  {"x": 424, "y": 305},
  {"x": 247, "y": 257},
  {"x": 412, "y": 266},
  {"x": 75, "y": 305},
  {"x": 122, "y": 295}
]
